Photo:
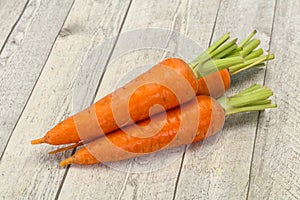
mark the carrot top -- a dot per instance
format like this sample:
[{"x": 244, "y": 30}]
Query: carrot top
[
  {"x": 254, "y": 98},
  {"x": 236, "y": 58},
  {"x": 204, "y": 65}
]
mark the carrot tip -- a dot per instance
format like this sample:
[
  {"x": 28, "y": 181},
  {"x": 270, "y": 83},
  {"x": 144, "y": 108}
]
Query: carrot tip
[
  {"x": 38, "y": 141},
  {"x": 67, "y": 162},
  {"x": 54, "y": 152}
]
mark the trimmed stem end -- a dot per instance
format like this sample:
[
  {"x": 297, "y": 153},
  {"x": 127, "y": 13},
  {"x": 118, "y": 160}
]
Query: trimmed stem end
[{"x": 254, "y": 98}]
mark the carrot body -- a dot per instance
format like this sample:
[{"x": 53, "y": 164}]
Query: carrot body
[
  {"x": 135, "y": 141},
  {"x": 214, "y": 84},
  {"x": 169, "y": 83}
]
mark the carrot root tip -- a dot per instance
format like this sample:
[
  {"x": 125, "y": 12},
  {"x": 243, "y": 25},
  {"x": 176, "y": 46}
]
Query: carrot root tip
[
  {"x": 67, "y": 162},
  {"x": 38, "y": 141}
]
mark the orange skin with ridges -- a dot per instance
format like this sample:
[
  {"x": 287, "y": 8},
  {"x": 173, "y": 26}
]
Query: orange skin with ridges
[
  {"x": 86, "y": 124},
  {"x": 131, "y": 141},
  {"x": 215, "y": 84}
]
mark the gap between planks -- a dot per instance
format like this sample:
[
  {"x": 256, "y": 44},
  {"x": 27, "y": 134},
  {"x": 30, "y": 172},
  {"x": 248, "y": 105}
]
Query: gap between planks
[
  {"x": 50, "y": 51},
  {"x": 183, "y": 155},
  {"x": 13, "y": 27},
  {"x": 259, "y": 114},
  {"x": 99, "y": 83},
  {"x": 4, "y": 44}
]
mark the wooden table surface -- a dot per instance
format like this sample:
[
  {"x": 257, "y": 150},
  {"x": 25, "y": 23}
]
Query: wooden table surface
[{"x": 48, "y": 72}]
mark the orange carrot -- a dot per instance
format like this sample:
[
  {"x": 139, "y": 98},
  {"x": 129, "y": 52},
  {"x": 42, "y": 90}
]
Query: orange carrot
[
  {"x": 214, "y": 84},
  {"x": 205, "y": 115},
  {"x": 85, "y": 124},
  {"x": 169, "y": 83}
]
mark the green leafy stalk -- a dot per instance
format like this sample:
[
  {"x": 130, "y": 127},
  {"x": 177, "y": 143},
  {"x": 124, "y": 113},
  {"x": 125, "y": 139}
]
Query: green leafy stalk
[
  {"x": 250, "y": 89},
  {"x": 261, "y": 102},
  {"x": 204, "y": 65},
  {"x": 244, "y": 42},
  {"x": 226, "y": 52},
  {"x": 200, "y": 60},
  {"x": 254, "y": 62},
  {"x": 243, "y": 45},
  {"x": 254, "y": 54},
  {"x": 250, "y": 47},
  {"x": 218, "y": 43},
  {"x": 250, "y": 97},
  {"x": 224, "y": 47},
  {"x": 222, "y": 54},
  {"x": 236, "y": 52},
  {"x": 217, "y": 65},
  {"x": 254, "y": 98},
  {"x": 259, "y": 65},
  {"x": 206, "y": 55}
]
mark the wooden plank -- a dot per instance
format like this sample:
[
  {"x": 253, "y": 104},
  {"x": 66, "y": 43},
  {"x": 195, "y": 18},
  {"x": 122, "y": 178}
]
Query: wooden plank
[
  {"x": 275, "y": 169},
  {"x": 27, "y": 171},
  {"x": 10, "y": 13},
  {"x": 218, "y": 168},
  {"x": 23, "y": 58},
  {"x": 154, "y": 176}
]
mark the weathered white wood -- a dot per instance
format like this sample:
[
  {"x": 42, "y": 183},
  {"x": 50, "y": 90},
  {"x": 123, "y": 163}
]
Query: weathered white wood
[
  {"x": 27, "y": 172},
  {"x": 24, "y": 56},
  {"x": 276, "y": 163},
  {"x": 157, "y": 179},
  {"x": 10, "y": 11},
  {"x": 219, "y": 167}
]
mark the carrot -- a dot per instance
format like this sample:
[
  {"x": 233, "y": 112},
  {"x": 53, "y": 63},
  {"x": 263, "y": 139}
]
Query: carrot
[
  {"x": 205, "y": 115},
  {"x": 214, "y": 84},
  {"x": 169, "y": 83}
]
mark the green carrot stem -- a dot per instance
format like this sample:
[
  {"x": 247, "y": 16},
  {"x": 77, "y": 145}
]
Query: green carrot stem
[
  {"x": 225, "y": 52},
  {"x": 250, "y": 109},
  {"x": 236, "y": 52},
  {"x": 242, "y": 45},
  {"x": 233, "y": 53},
  {"x": 261, "y": 102},
  {"x": 222, "y": 48},
  {"x": 249, "y": 64},
  {"x": 244, "y": 42},
  {"x": 250, "y": 47},
  {"x": 222, "y": 63},
  {"x": 218, "y": 43},
  {"x": 260, "y": 94},
  {"x": 259, "y": 65},
  {"x": 254, "y": 54},
  {"x": 206, "y": 55},
  {"x": 221, "y": 55},
  {"x": 199, "y": 60},
  {"x": 254, "y": 98},
  {"x": 249, "y": 89},
  {"x": 217, "y": 65}
]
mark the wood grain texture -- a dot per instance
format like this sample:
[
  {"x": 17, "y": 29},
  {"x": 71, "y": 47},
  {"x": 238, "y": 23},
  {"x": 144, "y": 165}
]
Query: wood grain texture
[
  {"x": 276, "y": 163},
  {"x": 219, "y": 167},
  {"x": 23, "y": 58},
  {"x": 26, "y": 171},
  {"x": 256, "y": 156},
  {"x": 153, "y": 176},
  {"x": 10, "y": 12}
]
